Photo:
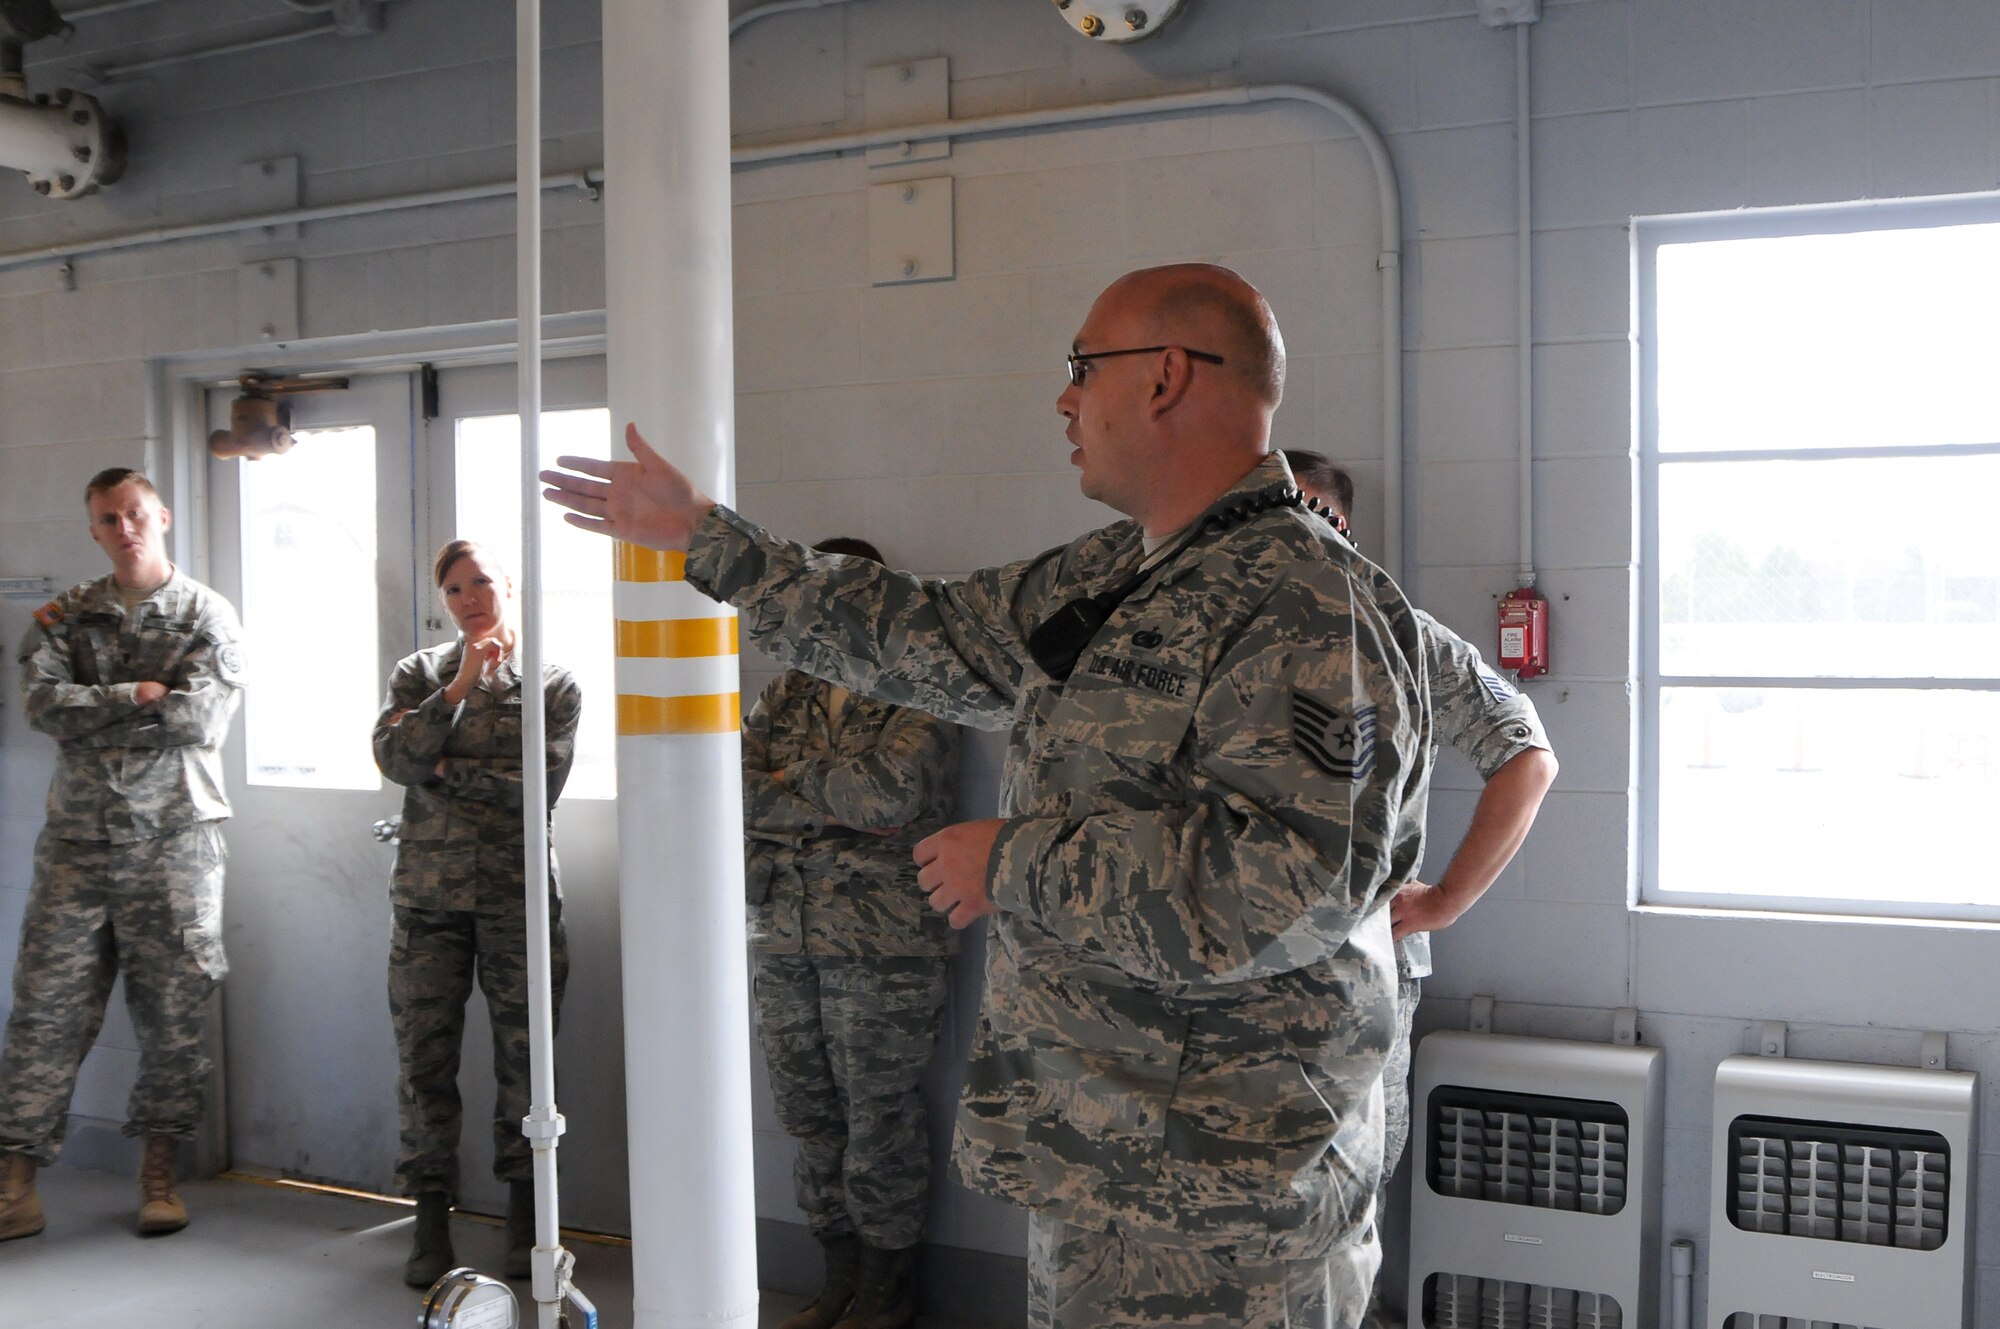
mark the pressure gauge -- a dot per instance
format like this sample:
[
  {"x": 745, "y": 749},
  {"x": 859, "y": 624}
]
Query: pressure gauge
[
  {"x": 468, "y": 1299},
  {"x": 1118, "y": 20}
]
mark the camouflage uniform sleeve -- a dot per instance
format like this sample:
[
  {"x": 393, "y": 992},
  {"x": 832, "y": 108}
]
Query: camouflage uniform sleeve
[
  {"x": 55, "y": 702},
  {"x": 1477, "y": 712},
  {"x": 949, "y": 648},
  {"x": 1267, "y": 858},
  {"x": 770, "y": 809},
  {"x": 891, "y": 786},
  {"x": 415, "y": 721},
  {"x": 196, "y": 712},
  {"x": 497, "y": 780}
]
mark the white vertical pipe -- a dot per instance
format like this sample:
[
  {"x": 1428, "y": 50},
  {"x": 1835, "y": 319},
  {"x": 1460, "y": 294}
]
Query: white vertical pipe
[
  {"x": 680, "y": 810},
  {"x": 1524, "y": 272},
  {"x": 544, "y": 1124},
  {"x": 1681, "y": 1311}
]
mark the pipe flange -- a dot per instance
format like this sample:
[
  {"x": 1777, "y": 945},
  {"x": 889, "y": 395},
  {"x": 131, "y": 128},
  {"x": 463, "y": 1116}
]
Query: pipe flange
[
  {"x": 82, "y": 148},
  {"x": 1118, "y": 20}
]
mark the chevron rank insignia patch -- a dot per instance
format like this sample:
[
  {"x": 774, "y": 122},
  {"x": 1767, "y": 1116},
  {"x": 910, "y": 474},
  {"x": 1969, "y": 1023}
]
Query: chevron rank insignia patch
[
  {"x": 1339, "y": 742},
  {"x": 49, "y": 615},
  {"x": 1496, "y": 687}
]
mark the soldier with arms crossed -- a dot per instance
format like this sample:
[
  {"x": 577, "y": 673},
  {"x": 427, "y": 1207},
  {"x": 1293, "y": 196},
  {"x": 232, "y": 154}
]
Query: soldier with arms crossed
[
  {"x": 136, "y": 676},
  {"x": 1219, "y": 728},
  {"x": 1495, "y": 727},
  {"x": 850, "y": 968}
]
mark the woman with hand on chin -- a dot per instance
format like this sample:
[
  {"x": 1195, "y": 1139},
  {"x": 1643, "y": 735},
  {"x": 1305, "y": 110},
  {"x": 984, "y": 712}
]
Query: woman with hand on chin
[{"x": 450, "y": 732}]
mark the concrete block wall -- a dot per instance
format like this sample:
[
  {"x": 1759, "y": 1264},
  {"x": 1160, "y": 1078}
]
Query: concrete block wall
[{"x": 922, "y": 416}]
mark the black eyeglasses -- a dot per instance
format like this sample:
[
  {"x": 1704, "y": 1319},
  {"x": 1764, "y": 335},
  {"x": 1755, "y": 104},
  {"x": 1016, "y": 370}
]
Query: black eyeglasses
[{"x": 1079, "y": 365}]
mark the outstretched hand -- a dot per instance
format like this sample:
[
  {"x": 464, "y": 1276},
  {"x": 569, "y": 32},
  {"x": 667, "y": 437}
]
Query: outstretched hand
[{"x": 645, "y": 501}]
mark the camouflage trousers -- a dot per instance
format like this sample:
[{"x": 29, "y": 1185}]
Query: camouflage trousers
[
  {"x": 1079, "y": 1279},
  {"x": 847, "y": 1041},
  {"x": 434, "y": 955},
  {"x": 151, "y": 909},
  {"x": 1396, "y": 1112}
]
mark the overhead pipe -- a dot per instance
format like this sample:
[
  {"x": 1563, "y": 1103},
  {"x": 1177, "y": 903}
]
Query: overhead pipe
[
  {"x": 1388, "y": 202},
  {"x": 774, "y": 8},
  {"x": 1388, "y": 197},
  {"x": 65, "y": 144},
  {"x": 670, "y": 353}
]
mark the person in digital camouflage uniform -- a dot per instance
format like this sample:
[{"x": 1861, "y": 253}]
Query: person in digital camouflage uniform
[
  {"x": 849, "y": 967},
  {"x": 450, "y": 732},
  {"x": 136, "y": 676},
  {"x": 1190, "y": 981},
  {"x": 1494, "y": 725}
]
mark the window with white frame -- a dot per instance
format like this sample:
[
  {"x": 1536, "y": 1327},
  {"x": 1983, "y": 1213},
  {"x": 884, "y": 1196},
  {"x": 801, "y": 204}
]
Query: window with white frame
[{"x": 1820, "y": 439}]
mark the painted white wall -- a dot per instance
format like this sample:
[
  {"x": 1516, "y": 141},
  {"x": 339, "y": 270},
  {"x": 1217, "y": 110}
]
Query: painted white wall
[{"x": 923, "y": 417}]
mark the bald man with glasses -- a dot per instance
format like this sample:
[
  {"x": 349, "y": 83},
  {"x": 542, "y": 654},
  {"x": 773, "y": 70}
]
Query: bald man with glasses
[{"x": 1219, "y": 729}]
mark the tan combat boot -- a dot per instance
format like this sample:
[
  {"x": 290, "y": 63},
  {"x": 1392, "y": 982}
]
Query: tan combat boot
[
  {"x": 160, "y": 1207},
  {"x": 20, "y": 1207}
]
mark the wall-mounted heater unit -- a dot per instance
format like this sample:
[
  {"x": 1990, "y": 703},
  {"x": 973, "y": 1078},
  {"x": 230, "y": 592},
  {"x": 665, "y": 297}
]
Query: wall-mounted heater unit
[
  {"x": 1536, "y": 1199},
  {"x": 1841, "y": 1196}
]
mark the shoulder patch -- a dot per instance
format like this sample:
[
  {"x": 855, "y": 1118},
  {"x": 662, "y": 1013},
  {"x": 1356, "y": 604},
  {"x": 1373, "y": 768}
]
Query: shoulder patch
[
  {"x": 229, "y": 662},
  {"x": 1496, "y": 687},
  {"x": 1338, "y": 742},
  {"x": 49, "y": 614}
]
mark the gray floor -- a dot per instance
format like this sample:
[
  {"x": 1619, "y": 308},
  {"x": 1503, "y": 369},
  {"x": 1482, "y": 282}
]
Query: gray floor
[{"x": 255, "y": 1256}]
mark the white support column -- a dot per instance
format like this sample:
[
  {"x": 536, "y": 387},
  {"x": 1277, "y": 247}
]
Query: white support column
[{"x": 680, "y": 814}]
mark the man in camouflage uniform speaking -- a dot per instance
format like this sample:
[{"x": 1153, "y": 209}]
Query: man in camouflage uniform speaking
[
  {"x": 1219, "y": 730},
  {"x": 136, "y": 676},
  {"x": 850, "y": 968},
  {"x": 1494, "y": 726}
]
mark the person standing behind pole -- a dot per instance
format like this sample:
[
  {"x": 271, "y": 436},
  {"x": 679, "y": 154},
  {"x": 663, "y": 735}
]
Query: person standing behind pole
[
  {"x": 136, "y": 676},
  {"x": 849, "y": 968},
  {"x": 450, "y": 732},
  {"x": 1494, "y": 726}
]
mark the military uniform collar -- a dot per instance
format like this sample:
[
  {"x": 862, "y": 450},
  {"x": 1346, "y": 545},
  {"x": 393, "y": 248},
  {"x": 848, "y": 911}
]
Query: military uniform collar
[
  {"x": 101, "y": 596},
  {"x": 1269, "y": 475}
]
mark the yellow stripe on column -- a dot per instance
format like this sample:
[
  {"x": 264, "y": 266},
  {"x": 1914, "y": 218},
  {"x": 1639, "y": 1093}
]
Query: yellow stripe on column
[
  {"x": 676, "y": 638},
  {"x": 637, "y": 563},
  {"x": 718, "y": 713}
]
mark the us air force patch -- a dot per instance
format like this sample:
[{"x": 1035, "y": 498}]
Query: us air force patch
[
  {"x": 1338, "y": 742},
  {"x": 1496, "y": 686}
]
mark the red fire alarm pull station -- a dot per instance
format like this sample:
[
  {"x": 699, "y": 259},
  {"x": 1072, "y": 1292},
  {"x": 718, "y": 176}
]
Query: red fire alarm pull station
[{"x": 1524, "y": 632}]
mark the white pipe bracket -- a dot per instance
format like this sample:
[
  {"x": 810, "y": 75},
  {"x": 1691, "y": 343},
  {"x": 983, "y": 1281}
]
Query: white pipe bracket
[
  {"x": 1479, "y": 1018},
  {"x": 1771, "y": 1038},
  {"x": 540, "y": 1129},
  {"x": 1933, "y": 1055},
  {"x": 1625, "y": 1026}
]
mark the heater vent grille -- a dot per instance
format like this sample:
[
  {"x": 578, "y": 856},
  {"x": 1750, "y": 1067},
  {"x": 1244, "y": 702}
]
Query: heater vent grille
[
  {"x": 1456, "y": 1301},
  {"x": 1526, "y": 1149},
  {"x": 1871, "y": 1185}
]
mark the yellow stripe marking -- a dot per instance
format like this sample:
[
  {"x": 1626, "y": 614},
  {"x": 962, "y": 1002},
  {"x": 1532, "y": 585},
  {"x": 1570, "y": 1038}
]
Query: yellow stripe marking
[
  {"x": 636, "y": 563},
  {"x": 716, "y": 713},
  {"x": 676, "y": 638}
]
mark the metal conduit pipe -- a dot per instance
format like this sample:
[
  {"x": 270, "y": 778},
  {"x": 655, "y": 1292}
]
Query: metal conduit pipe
[
  {"x": 109, "y": 73},
  {"x": 588, "y": 181},
  {"x": 1388, "y": 200},
  {"x": 1524, "y": 269},
  {"x": 776, "y": 7},
  {"x": 115, "y": 6}
]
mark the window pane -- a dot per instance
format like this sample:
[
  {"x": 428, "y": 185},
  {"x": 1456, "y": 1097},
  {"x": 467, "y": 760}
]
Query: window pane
[
  {"x": 310, "y": 611},
  {"x": 1858, "y": 568},
  {"x": 1830, "y": 793},
  {"x": 1884, "y": 338},
  {"x": 576, "y": 567}
]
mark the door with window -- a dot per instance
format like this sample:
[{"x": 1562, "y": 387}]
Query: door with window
[{"x": 327, "y": 552}]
